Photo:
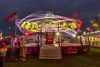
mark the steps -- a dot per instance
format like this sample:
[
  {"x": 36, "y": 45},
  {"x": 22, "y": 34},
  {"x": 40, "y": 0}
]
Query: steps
[{"x": 50, "y": 53}]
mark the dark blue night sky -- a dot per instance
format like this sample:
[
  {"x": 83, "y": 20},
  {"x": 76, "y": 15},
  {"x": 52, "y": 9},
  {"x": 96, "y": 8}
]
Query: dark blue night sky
[{"x": 87, "y": 10}]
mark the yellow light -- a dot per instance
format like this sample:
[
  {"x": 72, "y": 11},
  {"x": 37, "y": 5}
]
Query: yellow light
[
  {"x": 37, "y": 25},
  {"x": 54, "y": 42},
  {"x": 1, "y": 37},
  {"x": 56, "y": 24},
  {"x": 43, "y": 25},
  {"x": 64, "y": 24},
  {"x": 27, "y": 26},
  {"x": 23, "y": 24},
  {"x": 84, "y": 32},
  {"x": 58, "y": 34},
  {"x": 74, "y": 35},
  {"x": 73, "y": 25},
  {"x": 49, "y": 25},
  {"x": 34, "y": 25}
]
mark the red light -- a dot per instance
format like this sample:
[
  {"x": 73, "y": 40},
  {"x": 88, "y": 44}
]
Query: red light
[
  {"x": 27, "y": 34},
  {"x": 79, "y": 24}
]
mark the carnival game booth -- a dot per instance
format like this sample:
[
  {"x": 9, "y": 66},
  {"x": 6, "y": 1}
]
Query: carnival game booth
[
  {"x": 50, "y": 29},
  {"x": 94, "y": 38},
  {"x": 73, "y": 45},
  {"x": 31, "y": 42}
]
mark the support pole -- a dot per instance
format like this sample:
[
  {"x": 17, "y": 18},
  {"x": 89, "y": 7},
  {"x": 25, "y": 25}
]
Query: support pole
[
  {"x": 58, "y": 36},
  {"x": 10, "y": 31},
  {"x": 61, "y": 42},
  {"x": 81, "y": 41},
  {"x": 19, "y": 17},
  {"x": 89, "y": 43},
  {"x": 15, "y": 29},
  {"x": 94, "y": 42},
  {"x": 41, "y": 36},
  {"x": 38, "y": 40}
]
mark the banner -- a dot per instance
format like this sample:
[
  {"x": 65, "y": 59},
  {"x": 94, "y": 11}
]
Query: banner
[
  {"x": 12, "y": 17},
  {"x": 75, "y": 14},
  {"x": 89, "y": 29}
]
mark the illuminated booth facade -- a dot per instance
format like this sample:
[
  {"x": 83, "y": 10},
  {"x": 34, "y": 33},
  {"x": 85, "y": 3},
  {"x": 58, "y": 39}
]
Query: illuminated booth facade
[
  {"x": 94, "y": 38},
  {"x": 45, "y": 27}
]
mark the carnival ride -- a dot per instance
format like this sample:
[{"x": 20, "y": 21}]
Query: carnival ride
[
  {"x": 95, "y": 21},
  {"x": 43, "y": 26}
]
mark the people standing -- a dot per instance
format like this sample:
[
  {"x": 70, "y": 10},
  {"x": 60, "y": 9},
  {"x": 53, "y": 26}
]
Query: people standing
[
  {"x": 24, "y": 50},
  {"x": 14, "y": 43},
  {"x": 1, "y": 57},
  {"x": 7, "y": 57},
  {"x": 17, "y": 51},
  {"x": 3, "y": 49}
]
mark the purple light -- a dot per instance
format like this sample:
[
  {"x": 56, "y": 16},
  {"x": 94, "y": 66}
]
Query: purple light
[
  {"x": 92, "y": 35},
  {"x": 13, "y": 58}
]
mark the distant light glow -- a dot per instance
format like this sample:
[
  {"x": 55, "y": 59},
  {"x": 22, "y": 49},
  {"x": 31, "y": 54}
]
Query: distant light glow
[
  {"x": 9, "y": 28},
  {"x": 27, "y": 34},
  {"x": 84, "y": 32},
  {"x": 74, "y": 35},
  {"x": 58, "y": 34}
]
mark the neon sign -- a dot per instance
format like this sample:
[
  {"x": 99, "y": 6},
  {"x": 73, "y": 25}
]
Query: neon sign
[
  {"x": 37, "y": 25},
  {"x": 92, "y": 32}
]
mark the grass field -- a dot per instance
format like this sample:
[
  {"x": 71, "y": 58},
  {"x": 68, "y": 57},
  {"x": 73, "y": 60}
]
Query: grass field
[{"x": 88, "y": 59}]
